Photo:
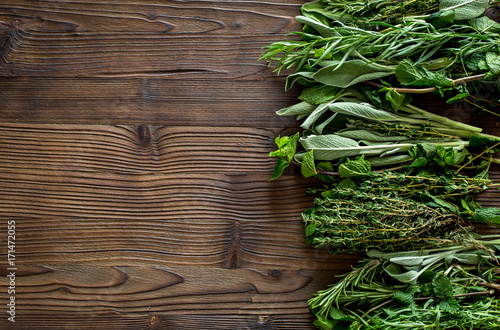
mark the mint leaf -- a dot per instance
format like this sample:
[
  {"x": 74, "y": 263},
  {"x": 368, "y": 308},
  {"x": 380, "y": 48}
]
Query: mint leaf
[
  {"x": 347, "y": 184},
  {"x": 409, "y": 73},
  {"x": 489, "y": 214},
  {"x": 449, "y": 305},
  {"x": 308, "y": 168},
  {"x": 354, "y": 168},
  {"x": 310, "y": 229},
  {"x": 493, "y": 62},
  {"x": 395, "y": 99},
  {"x": 280, "y": 166},
  {"x": 286, "y": 147},
  {"x": 403, "y": 298},
  {"x": 443, "y": 288}
]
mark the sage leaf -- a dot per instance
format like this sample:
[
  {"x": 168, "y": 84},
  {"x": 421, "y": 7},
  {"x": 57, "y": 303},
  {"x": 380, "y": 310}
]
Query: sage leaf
[
  {"x": 359, "y": 134},
  {"x": 464, "y": 9},
  {"x": 319, "y": 94},
  {"x": 349, "y": 73},
  {"x": 323, "y": 29},
  {"x": 362, "y": 110},
  {"x": 301, "y": 108},
  {"x": 330, "y": 146}
]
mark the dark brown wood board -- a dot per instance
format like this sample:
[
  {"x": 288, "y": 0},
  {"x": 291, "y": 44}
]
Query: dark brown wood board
[{"x": 134, "y": 142}]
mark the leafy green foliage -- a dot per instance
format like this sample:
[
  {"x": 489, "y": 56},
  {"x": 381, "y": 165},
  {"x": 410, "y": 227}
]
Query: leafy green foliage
[
  {"x": 444, "y": 287},
  {"x": 286, "y": 151}
]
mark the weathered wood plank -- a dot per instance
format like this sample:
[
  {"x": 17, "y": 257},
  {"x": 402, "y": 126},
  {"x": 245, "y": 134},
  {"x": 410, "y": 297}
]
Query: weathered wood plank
[
  {"x": 225, "y": 220},
  {"x": 165, "y": 294},
  {"x": 137, "y": 149},
  {"x": 221, "y": 321},
  {"x": 145, "y": 101},
  {"x": 181, "y": 39}
]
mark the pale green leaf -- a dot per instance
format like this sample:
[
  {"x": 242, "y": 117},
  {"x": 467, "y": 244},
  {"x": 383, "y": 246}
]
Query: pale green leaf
[
  {"x": 363, "y": 110},
  {"x": 308, "y": 168},
  {"x": 349, "y": 73},
  {"x": 301, "y": 108},
  {"x": 464, "y": 9}
]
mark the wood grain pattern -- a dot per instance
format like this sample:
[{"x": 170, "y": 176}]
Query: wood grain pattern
[
  {"x": 134, "y": 142},
  {"x": 154, "y": 101},
  {"x": 183, "y": 39}
]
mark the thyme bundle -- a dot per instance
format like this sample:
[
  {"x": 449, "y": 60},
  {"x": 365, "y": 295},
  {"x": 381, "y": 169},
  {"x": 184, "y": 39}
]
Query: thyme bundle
[{"x": 351, "y": 221}]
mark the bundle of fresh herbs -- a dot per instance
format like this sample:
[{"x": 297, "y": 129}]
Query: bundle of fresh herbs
[
  {"x": 452, "y": 287},
  {"x": 339, "y": 124},
  {"x": 406, "y": 46},
  {"x": 399, "y": 179}
]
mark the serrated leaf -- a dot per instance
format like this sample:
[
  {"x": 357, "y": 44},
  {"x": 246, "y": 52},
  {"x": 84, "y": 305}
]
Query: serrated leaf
[
  {"x": 354, "y": 168},
  {"x": 403, "y": 298},
  {"x": 489, "y": 214},
  {"x": 493, "y": 62},
  {"x": 464, "y": 9},
  {"x": 347, "y": 183},
  {"x": 349, "y": 73},
  {"x": 443, "y": 288},
  {"x": 307, "y": 167},
  {"x": 395, "y": 99},
  {"x": 409, "y": 73},
  {"x": 449, "y": 305}
]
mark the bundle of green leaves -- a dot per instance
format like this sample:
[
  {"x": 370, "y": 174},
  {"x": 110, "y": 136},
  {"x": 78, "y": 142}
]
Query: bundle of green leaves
[
  {"x": 394, "y": 173},
  {"x": 427, "y": 45},
  {"x": 346, "y": 123},
  {"x": 453, "y": 287}
]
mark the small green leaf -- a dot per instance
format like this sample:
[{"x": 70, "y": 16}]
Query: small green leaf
[
  {"x": 464, "y": 9},
  {"x": 458, "y": 98},
  {"x": 395, "y": 99},
  {"x": 281, "y": 164},
  {"x": 489, "y": 214},
  {"x": 310, "y": 229},
  {"x": 308, "y": 168},
  {"x": 493, "y": 62},
  {"x": 449, "y": 305},
  {"x": 349, "y": 73},
  {"x": 354, "y": 168},
  {"x": 443, "y": 288},
  {"x": 347, "y": 183},
  {"x": 403, "y": 298},
  {"x": 319, "y": 94},
  {"x": 409, "y": 73}
]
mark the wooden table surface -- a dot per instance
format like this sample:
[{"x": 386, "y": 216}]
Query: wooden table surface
[{"x": 134, "y": 142}]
